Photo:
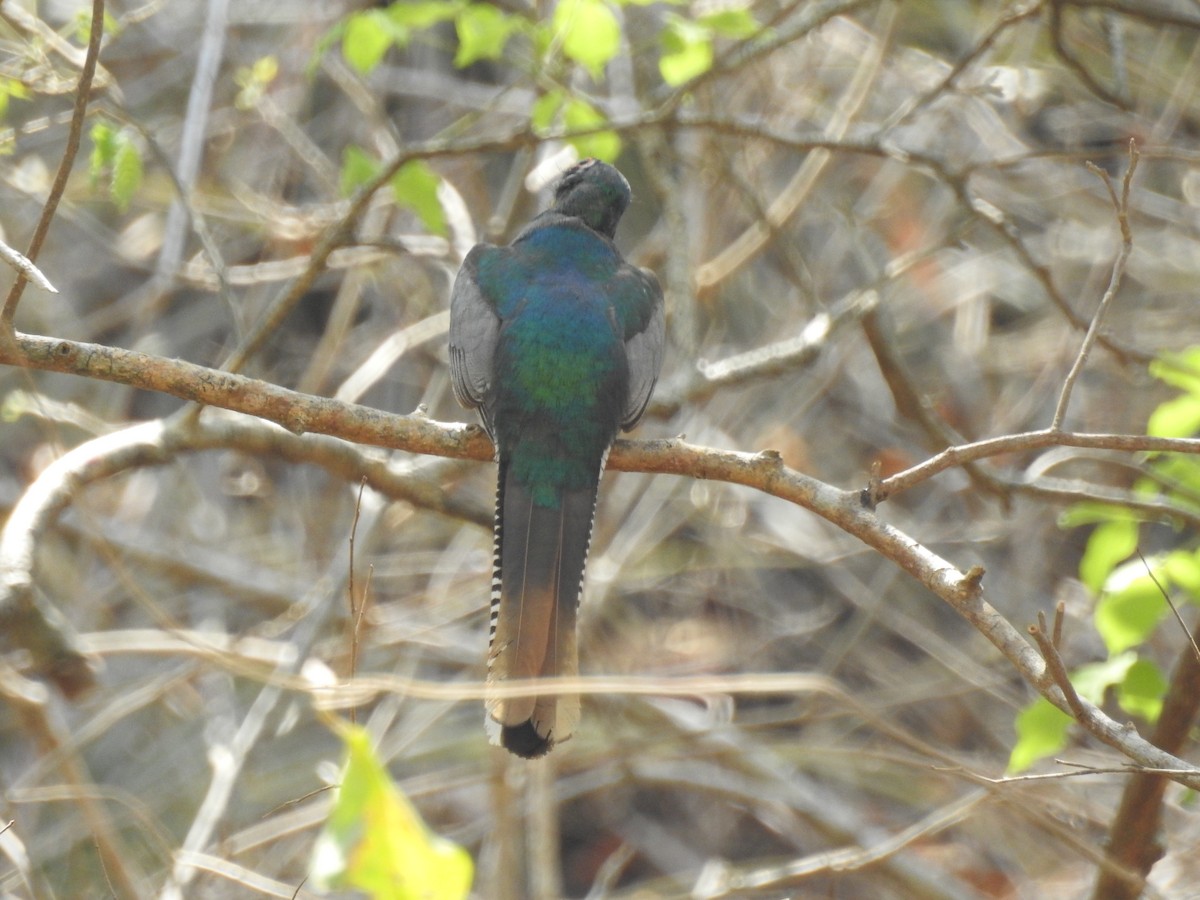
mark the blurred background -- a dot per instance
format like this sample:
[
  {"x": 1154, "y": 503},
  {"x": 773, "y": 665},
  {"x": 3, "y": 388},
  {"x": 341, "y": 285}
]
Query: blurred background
[{"x": 914, "y": 172}]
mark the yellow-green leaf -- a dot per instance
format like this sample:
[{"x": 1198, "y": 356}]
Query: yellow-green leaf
[
  {"x": 104, "y": 149},
  {"x": 1142, "y": 690},
  {"x": 1108, "y": 544},
  {"x": 1092, "y": 680},
  {"x": 731, "y": 23},
  {"x": 483, "y": 31},
  {"x": 368, "y": 36},
  {"x": 1125, "y": 617},
  {"x": 590, "y": 33},
  {"x": 1182, "y": 568},
  {"x": 686, "y": 51},
  {"x": 545, "y": 108},
  {"x": 1181, "y": 370},
  {"x": 416, "y": 186},
  {"x": 126, "y": 171},
  {"x": 579, "y": 114},
  {"x": 374, "y": 840},
  {"x": 418, "y": 14},
  {"x": 1177, "y": 417},
  {"x": 357, "y": 169},
  {"x": 1041, "y": 732}
]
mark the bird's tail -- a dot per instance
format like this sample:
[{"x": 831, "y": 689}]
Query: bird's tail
[{"x": 539, "y": 557}]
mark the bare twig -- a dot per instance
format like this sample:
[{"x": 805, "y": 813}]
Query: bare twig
[
  {"x": 25, "y": 267},
  {"x": 74, "y": 134},
  {"x": 952, "y": 457},
  {"x": 1171, "y": 603},
  {"x": 1121, "y": 206},
  {"x": 1074, "y": 63},
  {"x": 752, "y": 241}
]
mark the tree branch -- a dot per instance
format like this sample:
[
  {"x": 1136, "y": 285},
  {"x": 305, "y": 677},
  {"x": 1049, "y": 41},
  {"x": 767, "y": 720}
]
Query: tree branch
[{"x": 144, "y": 444}]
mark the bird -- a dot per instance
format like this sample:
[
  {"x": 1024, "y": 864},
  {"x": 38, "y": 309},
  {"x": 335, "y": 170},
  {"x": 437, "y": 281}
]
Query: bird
[{"x": 556, "y": 341}]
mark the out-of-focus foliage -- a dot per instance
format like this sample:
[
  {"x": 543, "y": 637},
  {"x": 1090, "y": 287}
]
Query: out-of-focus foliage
[
  {"x": 1131, "y": 605},
  {"x": 374, "y": 840},
  {"x": 787, "y": 159},
  {"x": 115, "y": 154}
]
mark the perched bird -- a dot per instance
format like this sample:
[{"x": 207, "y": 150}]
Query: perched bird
[{"x": 557, "y": 341}]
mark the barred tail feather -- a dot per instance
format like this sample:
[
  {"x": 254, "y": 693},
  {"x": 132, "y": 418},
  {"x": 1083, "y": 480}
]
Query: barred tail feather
[{"x": 540, "y": 554}]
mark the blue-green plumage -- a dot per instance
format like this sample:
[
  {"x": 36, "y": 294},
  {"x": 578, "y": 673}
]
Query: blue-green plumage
[{"x": 557, "y": 341}]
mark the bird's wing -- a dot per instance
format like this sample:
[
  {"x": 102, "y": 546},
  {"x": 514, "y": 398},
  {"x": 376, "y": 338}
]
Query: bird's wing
[
  {"x": 644, "y": 338},
  {"x": 474, "y": 326}
]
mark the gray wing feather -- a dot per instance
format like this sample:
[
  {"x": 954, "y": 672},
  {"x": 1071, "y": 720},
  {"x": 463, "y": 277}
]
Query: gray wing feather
[
  {"x": 474, "y": 327},
  {"x": 644, "y": 350}
]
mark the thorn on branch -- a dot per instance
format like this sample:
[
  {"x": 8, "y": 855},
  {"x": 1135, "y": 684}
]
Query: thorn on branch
[
  {"x": 874, "y": 493},
  {"x": 972, "y": 582}
]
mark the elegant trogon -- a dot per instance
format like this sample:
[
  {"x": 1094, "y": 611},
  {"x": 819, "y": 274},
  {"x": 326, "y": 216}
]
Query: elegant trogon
[{"x": 557, "y": 341}]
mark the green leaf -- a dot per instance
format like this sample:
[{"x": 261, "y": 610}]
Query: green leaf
[
  {"x": 1141, "y": 692},
  {"x": 1177, "y": 417},
  {"x": 738, "y": 24},
  {"x": 590, "y": 33},
  {"x": 686, "y": 51},
  {"x": 1109, "y": 544},
  {"x": 254, "y": 80},
  {"x": 419, "y": 14},
  {"x": 1183, "y": 470},
  {"x": 116, "y": 153},
  {"x": 483, "y": 31},
  {"x": 415, "y": 185},
  {"x": 83, "y": 26},
  {"x": 375, "y": 841},
  {"x": 357, "y": 169},
  {"x": 545, "y": 108},
  {"x": 1041, "y": 732},
  {"x": 1182, "y": 568},
  {"x": 1126, "y": 617},
  {"x": 104, "y": 150},
  {"x": 1181, "y": 370},
  {"x": 604, "y": 145},
  {"x": 1090, "y": 512},
  {"x": 11, "y": 88},
  {"x": 126, "y": 171},
  {"x": 1093, "y": 680},
  {"x": 368, "y": 36}
]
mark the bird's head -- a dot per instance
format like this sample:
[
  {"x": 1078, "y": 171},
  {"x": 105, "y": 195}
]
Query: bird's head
[{"x": 595, "y": 192}]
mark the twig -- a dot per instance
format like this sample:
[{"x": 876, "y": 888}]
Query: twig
[
  {"x": 25, "y": 267},
  {"x": 1121, "y": 206},
  {"x": 952, "y": 457},
  {"x": 229, "y": 758},
  {"x": 356, "y": 610},
  {"x": 31, "y": 708},
  {"x": 1075, "y": 64},
  {"x": 752, "y": 241},
  {"x": 1056, "y": 668},
  {"x": 1015, "y": 15},
  {"x": 1171, "y": 603},
  {"x": 737, "y": 884},
  {"x": 787, "y": 355},
  {"x": 192, "y": 138},
  {"x": 74, "y": 133}
]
